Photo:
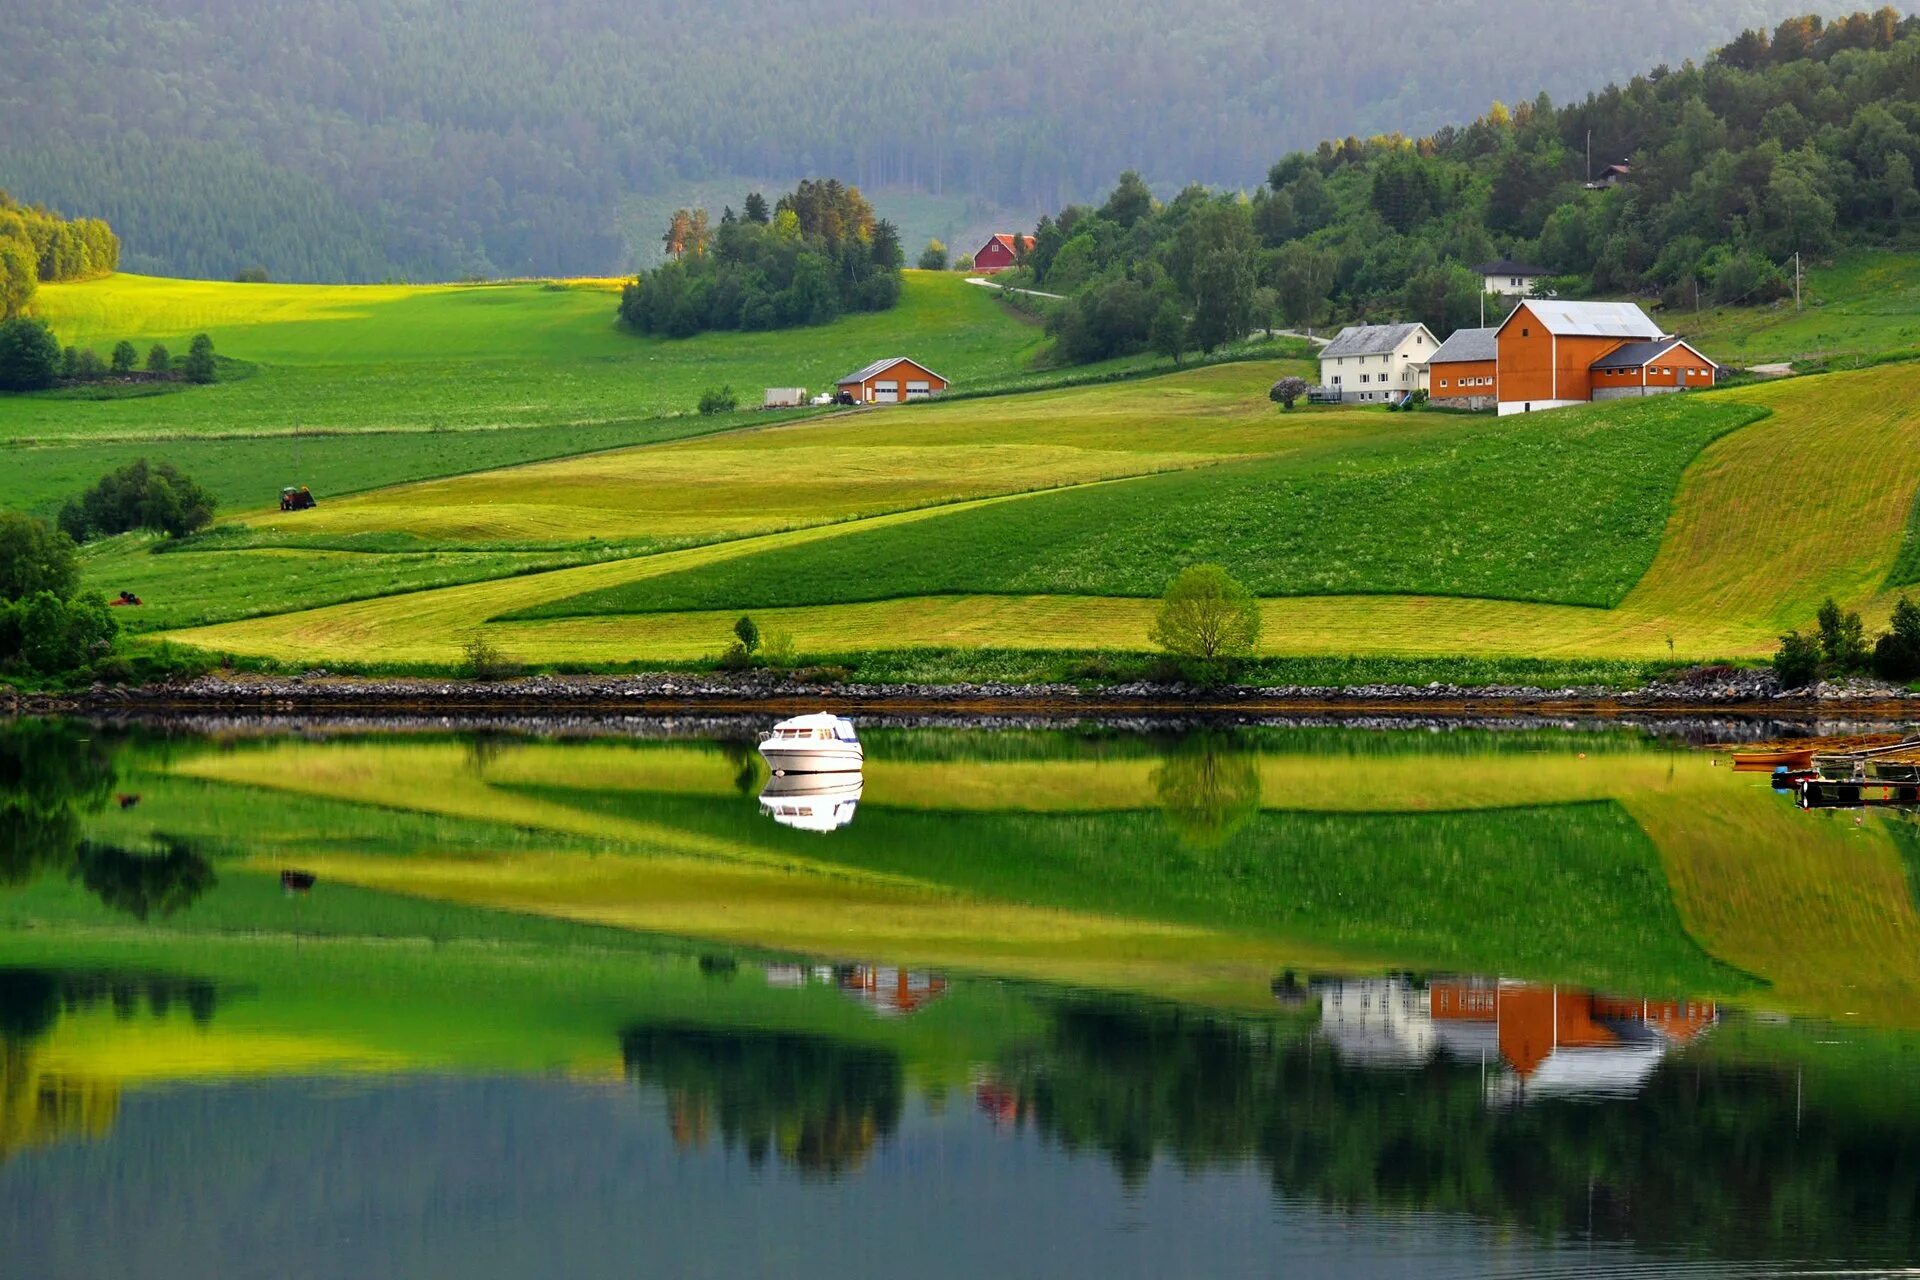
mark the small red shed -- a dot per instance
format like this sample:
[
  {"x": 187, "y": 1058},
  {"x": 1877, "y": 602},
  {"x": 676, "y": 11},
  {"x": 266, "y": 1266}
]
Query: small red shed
[
  {"x": 1000, "y": 252},
  {"x": 894, "y": 380}
]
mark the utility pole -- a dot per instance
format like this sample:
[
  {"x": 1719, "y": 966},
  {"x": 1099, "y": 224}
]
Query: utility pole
[
  {"x": 1589, "y": 155},
  {"x": 1796, "y": 279}
]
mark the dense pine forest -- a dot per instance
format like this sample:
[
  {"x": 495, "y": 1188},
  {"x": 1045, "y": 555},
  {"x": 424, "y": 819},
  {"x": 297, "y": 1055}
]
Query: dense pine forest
[
  {"x": 815, "y": 255},
  {"x": 1795, "y": 140},
  {"x": 37, "y": 244},
  {"x": 432, "y": 139}
]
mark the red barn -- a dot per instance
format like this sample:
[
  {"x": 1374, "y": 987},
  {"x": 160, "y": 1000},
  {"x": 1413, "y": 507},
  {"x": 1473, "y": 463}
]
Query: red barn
[
  {"x": 1553, "y": 353},
  {"x": 1000, "y": 251}
]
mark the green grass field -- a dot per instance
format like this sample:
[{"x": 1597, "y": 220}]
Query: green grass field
[
  {"x": 1495, "y": 508},
  {"x": 1695, "y": 527}
]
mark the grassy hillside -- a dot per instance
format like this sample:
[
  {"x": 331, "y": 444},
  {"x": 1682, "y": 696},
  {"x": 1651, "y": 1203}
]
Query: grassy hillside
[
  {"x": 1486, "y": 507},
  {"x": 389, "y": 357},
  {"x": 1863, "y": 305}
]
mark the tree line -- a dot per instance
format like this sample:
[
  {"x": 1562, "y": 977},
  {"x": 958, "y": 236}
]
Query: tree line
[
  {"x": 38, "y": 245},
  {"x": 815, "y": 255},
  {"x": 1800, "y": 139},
  {"x": 355, "y": 139}
]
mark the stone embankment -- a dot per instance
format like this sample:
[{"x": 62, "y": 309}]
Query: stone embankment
[{"x": 1712, "y": 689}]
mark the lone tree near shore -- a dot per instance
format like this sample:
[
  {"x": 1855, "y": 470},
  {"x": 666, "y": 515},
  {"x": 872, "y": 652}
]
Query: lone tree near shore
[
  {"x": 1208, "y": 621},
  {"x": 1286, "y": 391}
]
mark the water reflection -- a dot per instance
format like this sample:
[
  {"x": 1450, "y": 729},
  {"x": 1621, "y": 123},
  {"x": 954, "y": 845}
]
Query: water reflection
[
  {"x": 1078, "y": 930},
  {"x": 1538, "y": 1040},
  {"x": 818, "y": 802}
]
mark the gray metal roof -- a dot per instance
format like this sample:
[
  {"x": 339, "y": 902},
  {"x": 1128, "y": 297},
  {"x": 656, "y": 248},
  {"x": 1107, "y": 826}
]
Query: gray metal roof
[
  {"x": 1508, "y": 267},
  {"x": 1589, "y": 319},
  {"x": 1635, "y": 354},
  {"x": 861, "y": 375},
  {"x": 1466, "y": 344},
  {"x": 1369, "y": 339}
]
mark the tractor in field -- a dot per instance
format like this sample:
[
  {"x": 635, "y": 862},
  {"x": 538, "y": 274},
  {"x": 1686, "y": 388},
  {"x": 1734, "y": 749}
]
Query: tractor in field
[{"x": 297, "y": 498}]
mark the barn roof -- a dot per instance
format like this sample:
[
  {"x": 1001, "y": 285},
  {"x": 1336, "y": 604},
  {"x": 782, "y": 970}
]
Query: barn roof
[
  {"x": 1635, "y": 354},
  {"x": 880, "y": 366},
  {"x": 1589, "y": 319},
  {"x": 1007, "y": 239},
  {"x": 1467, "y": 344},
  {"x": 1369, "y": 339}
]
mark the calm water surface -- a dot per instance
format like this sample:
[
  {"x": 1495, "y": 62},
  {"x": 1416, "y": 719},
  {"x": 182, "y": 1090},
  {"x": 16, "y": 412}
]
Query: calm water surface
[{"x": 1300, "y": 1001}]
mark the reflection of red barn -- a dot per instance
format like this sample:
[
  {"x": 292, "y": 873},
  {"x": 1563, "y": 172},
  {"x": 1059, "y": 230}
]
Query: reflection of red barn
[
  {"x": 1596, "y": 1038},
  {"x": 891, "y": 991},
  {"x": 1000, "y": 252}
]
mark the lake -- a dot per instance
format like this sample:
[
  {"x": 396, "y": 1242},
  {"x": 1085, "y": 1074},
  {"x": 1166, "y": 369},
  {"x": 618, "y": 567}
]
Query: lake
[{"x": 605, "y": 998}]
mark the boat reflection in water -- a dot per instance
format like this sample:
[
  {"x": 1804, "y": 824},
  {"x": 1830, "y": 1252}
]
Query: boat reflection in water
[
  {"x": 819, "y": 802},
  {"x": 1533, "y": 1040}
]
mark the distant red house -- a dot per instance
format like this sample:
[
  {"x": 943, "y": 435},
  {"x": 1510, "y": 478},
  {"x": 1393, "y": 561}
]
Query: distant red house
[{"x": 1000, "y": 252}]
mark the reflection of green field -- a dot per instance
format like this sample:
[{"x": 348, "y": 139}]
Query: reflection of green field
[{"x": 1614, "y": 866}]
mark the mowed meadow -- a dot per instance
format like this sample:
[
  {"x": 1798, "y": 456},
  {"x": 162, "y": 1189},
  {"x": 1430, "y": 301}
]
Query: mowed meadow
[{"x": 525, "y": 508}]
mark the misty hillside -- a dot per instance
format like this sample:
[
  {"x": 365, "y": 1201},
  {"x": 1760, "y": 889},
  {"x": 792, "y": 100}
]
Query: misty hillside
[{"x": 355, "y": 139}]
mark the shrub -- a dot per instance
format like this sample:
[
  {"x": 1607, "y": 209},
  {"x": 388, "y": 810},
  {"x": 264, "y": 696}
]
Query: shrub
[
  {"x": 1896, "y": 656},
  {"x": 29, "y": 355},
  {"x": 49, "y": 635},
  {"x": 251, "y": 275},
  {"x": 158, "y": 361},
  {"x": 34, "y": 557},
  {"x": 1207, "y": 620},
  {"x": 1796, "y": 663},
  {"x": 198, "y": 367},
  {"x": 776, "y": 651},
  {"x": 1843, "y": 642},
  {"x": 716, "y": 400},
  {"x": 1286, "y": 391},
  {"x": 138, "y": 496},
  {"x": 124, "y": 357},
  {"x": 482, "y": 660},
  {"x": 747, "y": 632},
  {"x": 933, "y": 257},
  {"x": 82, "y": 364}
]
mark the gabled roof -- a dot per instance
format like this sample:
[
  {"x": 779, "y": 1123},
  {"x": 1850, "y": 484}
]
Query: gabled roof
[
  {"x": 1467, "y": 344},
  {"x": 1006, "y": 240},
  {"x": 1635, "y": 354},
  {"x": 1588, "y": 319},
  {"x": 1370, "y": 339},
  {"x": 879, "y": 366},
  {"x": 1508, "y": 267}
]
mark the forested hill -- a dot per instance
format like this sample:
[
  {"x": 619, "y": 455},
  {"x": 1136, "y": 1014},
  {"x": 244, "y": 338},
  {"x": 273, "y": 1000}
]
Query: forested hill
[{"x": 351, "y": 139}]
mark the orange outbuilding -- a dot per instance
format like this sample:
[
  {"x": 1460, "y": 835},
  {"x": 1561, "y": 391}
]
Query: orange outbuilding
[
  {"x": 894, "y": 380},
  {"x": 1464, "y": 372}
]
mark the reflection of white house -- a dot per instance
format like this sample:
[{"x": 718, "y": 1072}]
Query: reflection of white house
[
  {"x": 1376, "y": 362},
  {"x": 1538, "y": 1040}
]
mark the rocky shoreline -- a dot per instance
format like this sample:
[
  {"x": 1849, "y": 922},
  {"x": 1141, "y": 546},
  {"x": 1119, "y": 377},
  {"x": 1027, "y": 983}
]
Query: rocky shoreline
[{"x": 1714, "y": 690}]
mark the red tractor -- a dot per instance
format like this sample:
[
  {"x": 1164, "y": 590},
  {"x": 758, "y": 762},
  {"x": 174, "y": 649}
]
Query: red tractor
[{"x": 298, "y": 498}]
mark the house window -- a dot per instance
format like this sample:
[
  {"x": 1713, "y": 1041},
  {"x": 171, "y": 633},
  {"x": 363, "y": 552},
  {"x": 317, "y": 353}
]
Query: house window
[
  {"x": 1443, "y": 382},
  {"x": 1526, "y": 333},
  {"x": 1366, "y": 377},
  {"x": 1336, "y": 379}
]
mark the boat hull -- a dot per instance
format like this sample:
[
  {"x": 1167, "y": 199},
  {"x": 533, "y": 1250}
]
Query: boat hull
[{"x": 812, "y": 757}]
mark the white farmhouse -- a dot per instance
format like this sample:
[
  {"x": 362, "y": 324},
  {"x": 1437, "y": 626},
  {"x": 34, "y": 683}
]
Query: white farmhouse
[
  {"x": 1510, "y": 279},
  {"x": 1376, "y": 362}
]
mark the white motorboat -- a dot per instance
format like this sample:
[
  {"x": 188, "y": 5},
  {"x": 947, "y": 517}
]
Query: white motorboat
[
  {"x": 818, "y": 802},
  {"x": 819, "y": 743}
]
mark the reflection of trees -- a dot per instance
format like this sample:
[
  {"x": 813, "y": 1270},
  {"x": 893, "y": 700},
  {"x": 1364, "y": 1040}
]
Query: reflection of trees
[
  {"x": 39, "y": 1108},
  {"x": 50, "y": 774},
  {"x": 1707, "y": 1155},
  {"x": 1208, "y": 788},
  {"x": 143, "y": 884},
  {"x": 817, "y": 1103}
]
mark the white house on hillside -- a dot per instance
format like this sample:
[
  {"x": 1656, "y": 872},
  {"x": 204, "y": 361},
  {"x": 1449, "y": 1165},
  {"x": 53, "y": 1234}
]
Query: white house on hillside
[
  {"x": 1376, "y": 361},
  {"x": 1510, "y": 279}
]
